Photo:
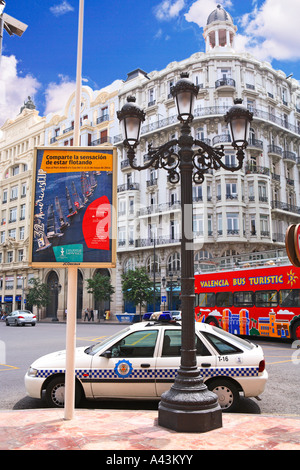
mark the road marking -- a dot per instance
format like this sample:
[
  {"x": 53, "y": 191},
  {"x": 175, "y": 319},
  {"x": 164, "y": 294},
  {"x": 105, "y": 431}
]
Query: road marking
[{"x": 9, "y": 367}]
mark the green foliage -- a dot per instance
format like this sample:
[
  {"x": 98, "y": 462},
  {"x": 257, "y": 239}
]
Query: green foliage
[
  {"x": 137, "y": 287},
  {"x": 100, "y": 286},
  {"x": 39, "y": 293}
]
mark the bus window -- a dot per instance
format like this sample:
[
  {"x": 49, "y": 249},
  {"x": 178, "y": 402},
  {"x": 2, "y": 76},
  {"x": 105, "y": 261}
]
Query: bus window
[
  {"x": 206, "y": 300},
  {"x": 243, "y": 299},
  {"x": 224, "y": 299},
  {"x": 289, "y": 298},
  {"x": 266, "y": 298}
]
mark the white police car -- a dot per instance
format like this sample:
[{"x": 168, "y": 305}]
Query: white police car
[{"x": 141, "y": 361}]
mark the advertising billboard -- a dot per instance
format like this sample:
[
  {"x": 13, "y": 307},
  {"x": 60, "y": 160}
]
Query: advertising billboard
[{"x": 73, "y": 217}]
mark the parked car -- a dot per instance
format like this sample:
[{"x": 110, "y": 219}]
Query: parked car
[
  {"x": 141, "y": 362},
  {"x": 20, "y": 318}
]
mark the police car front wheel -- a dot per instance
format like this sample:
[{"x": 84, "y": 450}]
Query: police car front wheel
[
  {"x": 227, "y": 393},
  {"x": 55, "y": 392}
]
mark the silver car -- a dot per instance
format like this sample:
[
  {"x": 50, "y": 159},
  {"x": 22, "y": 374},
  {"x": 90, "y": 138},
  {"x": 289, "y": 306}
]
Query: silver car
[{"x": 21, "y": 318}]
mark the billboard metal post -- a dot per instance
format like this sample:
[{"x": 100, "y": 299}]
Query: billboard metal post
[{"x": 72, "y": 270}]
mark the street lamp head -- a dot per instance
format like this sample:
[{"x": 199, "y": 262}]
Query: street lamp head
[
  {"x": 238, "y": 119},
  {"x": 185, "y": 93},
  {"x": 2, "y": 6},
  {"x": 131, "y": 118}
]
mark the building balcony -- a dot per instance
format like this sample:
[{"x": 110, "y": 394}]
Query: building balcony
[
  {"x": 152, "y": 182},
  {"x": 250, "y": 168},
  {"x": 103, "y": 118},
  {"x": 221, "y": 139},
  {"x": 125, "y": 163},
  {"x": 69, "y": 129},
  {"x": 275, "y": 150},
  {"x": 101, "y": 140},
  {"x": 128, "y": 187},
  {"x": 225, "y": 82},
  {"x": 159, "y": 208},
  {"x": 284, "y": 206},
  {"x": 289, "y": 156},
  {"x": 255, "y": 143},
  {"x": 149, "y": 242}
]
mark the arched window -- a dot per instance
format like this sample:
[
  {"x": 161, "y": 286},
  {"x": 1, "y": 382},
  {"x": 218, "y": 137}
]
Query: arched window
[
  {"x": 150, "y": 264},
  {"x": 129, "y": 265},
  {"x": 203, "y": 261},
  {"x": 174, "y": 263}
]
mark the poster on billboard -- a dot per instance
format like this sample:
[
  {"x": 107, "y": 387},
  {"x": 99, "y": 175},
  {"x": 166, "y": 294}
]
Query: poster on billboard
[{"x": 73, "y": 216}]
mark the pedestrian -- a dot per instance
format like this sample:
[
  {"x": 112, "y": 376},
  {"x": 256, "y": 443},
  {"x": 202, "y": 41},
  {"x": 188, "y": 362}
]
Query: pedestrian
[
  {"x": 92, "y": 315},
  {"x": 86, "y": 314}
]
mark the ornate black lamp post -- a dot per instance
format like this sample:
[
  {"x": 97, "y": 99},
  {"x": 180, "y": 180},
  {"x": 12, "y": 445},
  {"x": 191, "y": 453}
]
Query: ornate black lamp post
[{"x": 188, "y": 406}]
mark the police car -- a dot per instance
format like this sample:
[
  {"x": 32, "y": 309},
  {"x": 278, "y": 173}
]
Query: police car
[{"x": 141, "y": 361}]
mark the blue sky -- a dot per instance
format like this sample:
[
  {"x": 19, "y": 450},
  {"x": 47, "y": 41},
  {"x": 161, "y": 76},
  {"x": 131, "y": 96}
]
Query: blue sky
[{"x": 122, "y": 35}]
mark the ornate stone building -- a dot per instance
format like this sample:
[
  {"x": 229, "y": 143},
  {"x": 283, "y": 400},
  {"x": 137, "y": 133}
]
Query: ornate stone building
[{"x": 234, "y": 213}]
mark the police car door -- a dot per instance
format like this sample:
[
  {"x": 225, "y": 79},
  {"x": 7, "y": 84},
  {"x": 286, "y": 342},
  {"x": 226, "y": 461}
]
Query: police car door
[
  {"x": 169, "y": 359},
  {"x": 127, "y": 369}
]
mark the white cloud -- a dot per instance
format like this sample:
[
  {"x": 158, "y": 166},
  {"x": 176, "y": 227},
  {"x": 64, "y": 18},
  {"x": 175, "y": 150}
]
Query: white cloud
[
  {"x": 57, "y": 94},
  {"x": 61, "y": 9},
  {"x": 272, "y": 31},
  {"x": 169, "y": 9},
  {"x": 14, "y": 89},
  {"x": 201, "y": 9}
]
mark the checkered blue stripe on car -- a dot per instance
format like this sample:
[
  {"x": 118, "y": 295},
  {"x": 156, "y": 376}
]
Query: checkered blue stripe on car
[{"x": 158, "y": 374}]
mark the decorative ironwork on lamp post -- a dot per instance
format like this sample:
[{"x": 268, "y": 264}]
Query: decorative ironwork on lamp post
[{"x": 188, "y": 406}]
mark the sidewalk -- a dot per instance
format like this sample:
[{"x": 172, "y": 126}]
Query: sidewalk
[{"x": 127, "y": 430}]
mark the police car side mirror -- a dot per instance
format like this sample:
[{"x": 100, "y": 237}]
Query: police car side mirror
[{"x": 107, "y": 354}]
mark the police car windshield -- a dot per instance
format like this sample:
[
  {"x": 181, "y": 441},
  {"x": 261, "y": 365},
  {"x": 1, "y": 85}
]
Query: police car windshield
[{"x": 94, "y": 348}]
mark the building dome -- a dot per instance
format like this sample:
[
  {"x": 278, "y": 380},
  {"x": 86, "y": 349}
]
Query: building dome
[{"x": 219, "y": 14}]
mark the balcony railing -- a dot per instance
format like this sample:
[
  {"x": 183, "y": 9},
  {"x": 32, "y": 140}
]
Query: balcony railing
[
  {"x": 128, "y": 187},
  {"x": 225, "y": 82},
  {"x": 143, "y": 242},
  {"x": 103, "y": 118},
  {"x": 287, "y": 155},
  {"x": 284, "y": 206},
  {"x": 158, "y": 208},
  {"x": 275, "y": 149},
  {"x": 260, "y": 170},
  {"x": 255, "y": 143},
  {"x": 101, "y": 140},
  {"x": 221, "y": 139}
]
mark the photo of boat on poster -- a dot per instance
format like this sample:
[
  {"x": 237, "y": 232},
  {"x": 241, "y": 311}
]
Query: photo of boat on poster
[{"x": 74, "y": 207}]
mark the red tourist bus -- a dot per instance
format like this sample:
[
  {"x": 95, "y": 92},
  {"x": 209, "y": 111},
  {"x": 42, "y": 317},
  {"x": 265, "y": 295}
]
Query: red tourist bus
[{"x": 262, "y": 301}]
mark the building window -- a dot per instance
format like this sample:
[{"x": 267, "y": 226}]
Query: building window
[
  {"x": 198, "y": 224},
  {"x": 22, "y": 211},
  {"x": 22, "y": 233},
  {"x": 10, "y": 256},
  {"x": 13, "y": 214},
  {"x": 23, "y": 190},
  {"x": 9, "y": 283},
  {"x": 20, "y": 255},
  {"x": 12, "y": 233},
  {"x": 174, "y": 262},
  {"x": 232, "y": 223},
  {"x": 14, "y": 193},
  {"x": 15, "y": 170}
]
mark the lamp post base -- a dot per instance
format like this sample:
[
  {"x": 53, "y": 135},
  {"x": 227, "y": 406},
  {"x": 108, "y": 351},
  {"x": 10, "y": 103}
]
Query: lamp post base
[{"x": 189, "y": 406}]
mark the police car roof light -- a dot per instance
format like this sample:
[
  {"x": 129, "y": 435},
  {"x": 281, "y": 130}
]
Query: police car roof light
[{"x": 162, "y": 316}]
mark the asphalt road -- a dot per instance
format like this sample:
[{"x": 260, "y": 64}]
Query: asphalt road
[{"x": 20, "y": 346}]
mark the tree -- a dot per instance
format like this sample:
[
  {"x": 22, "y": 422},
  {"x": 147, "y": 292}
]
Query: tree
[
  {"x": 39, "y": 294},
  {"x": 100, "y": 286},
  {"x": 137, "y": 287}
]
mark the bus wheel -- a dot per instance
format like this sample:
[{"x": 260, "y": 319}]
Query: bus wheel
[
  {"x": 212, "y": 321},
  {"x": 227, "y": 393},
  {"x": 295, "y": 330}
]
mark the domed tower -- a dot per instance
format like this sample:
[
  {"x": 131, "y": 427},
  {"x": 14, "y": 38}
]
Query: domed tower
[{"x": 219, "y": 32}]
